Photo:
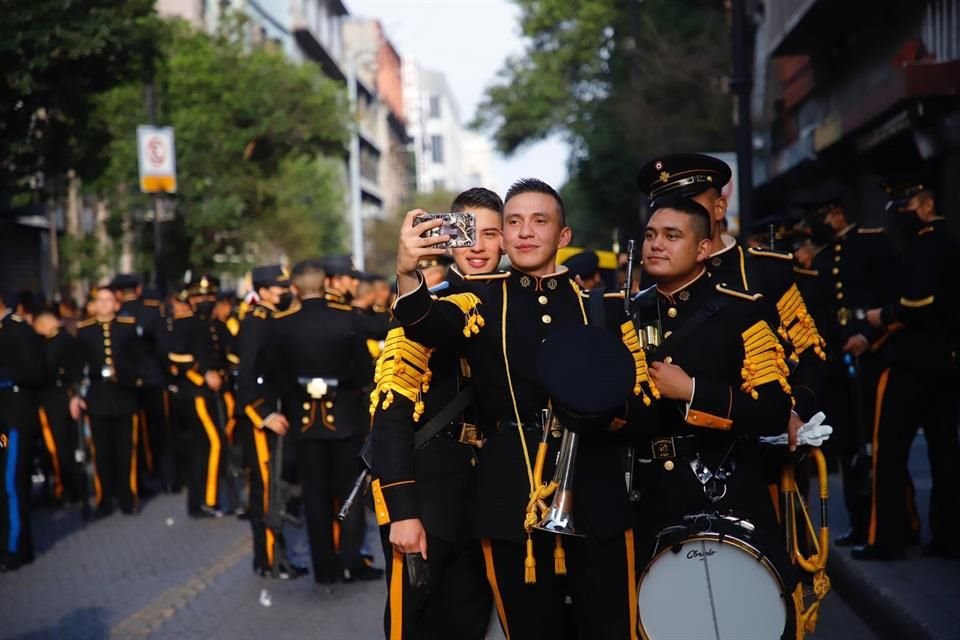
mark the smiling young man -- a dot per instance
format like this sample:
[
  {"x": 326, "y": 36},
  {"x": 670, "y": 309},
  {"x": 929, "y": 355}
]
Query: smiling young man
[
  {"x": 498, "y": 325},
  {"x": 722, "y": 380},
  {"x": 424, "y": 462}
]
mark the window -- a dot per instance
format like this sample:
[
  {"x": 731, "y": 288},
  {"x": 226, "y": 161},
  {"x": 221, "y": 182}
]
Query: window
[
  {"x": 434, "y": 106},
  {"x": 439, "y": 184},
  {"x": 436, "y": 149}
]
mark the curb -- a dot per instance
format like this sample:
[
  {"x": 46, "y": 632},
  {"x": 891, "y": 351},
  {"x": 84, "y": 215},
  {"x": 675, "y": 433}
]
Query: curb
[{"x": 876, "y": 605}]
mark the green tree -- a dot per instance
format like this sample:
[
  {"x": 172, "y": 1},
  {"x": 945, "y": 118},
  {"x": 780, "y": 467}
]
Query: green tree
[{"x": 621, "y": 81}]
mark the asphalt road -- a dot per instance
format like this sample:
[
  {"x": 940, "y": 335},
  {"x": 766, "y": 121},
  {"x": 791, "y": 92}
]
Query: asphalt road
[{"x": 161, "y": 575}]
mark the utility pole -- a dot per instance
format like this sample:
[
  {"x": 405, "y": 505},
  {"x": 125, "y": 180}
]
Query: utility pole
[
  {"x": 741, "y": 85},
  {"x": 355, "y": 196},
  {"x": 159, "y": 275}
]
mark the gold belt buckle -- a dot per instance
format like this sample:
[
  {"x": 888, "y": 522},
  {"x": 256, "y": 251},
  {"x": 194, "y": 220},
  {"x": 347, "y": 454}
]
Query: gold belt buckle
[
  {"x": 469, "y": 434},
  {"x": 663, "y": 448},
  {"x": 317, "y": 388}
]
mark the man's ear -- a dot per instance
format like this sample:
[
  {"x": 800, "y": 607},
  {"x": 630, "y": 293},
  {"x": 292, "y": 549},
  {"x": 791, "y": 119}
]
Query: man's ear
[
  {"x": 704, "y": 249},
  {"x": 566, "y": 235}
]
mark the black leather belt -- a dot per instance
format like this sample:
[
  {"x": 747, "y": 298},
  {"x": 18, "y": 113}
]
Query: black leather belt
[
  {"x": 533, "y": 424},
  {"x": 462, "y": 432}
]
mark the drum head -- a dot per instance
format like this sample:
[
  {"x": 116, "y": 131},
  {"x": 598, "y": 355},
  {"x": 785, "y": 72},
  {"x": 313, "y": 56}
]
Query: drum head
[{"x": 703, "y": 588}]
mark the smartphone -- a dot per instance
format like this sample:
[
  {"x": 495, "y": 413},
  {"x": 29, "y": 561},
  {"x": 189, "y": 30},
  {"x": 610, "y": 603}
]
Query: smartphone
[{"x": 460, "y": 226}]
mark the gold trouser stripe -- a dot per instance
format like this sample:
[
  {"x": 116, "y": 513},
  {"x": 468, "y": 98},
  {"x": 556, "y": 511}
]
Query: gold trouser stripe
[
  {"x": 774, "y": 491},
  {"x": 631, "y": 582},
  {"x": 492, "y": 579},
  {"x": 147, "y": 448},
  {"x": 133, "y": 456},
  {"x": 97, "y": 487},
  {"x": 881, "y": 390},
  {"x": 213, "y": 460},
  {"x": 229, "y": 404},
  {"x": 263, "y": 465},
  {"x": 51, "y": 445},
  {"x": 396, "y": 597},
  {"x": 336, "y": 528}
]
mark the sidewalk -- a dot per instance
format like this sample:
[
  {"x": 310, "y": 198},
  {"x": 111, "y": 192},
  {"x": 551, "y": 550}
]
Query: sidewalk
[{"x": 918, "y": 598}]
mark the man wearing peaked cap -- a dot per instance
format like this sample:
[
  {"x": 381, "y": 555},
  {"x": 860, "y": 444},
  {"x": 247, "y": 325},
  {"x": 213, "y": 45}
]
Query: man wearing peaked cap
[
  {"x": 155, "y": 438},
  {"x": 259, "y": 422},
  {"x": 341, "y": 279},
  {"x": 685, "y": 174}
]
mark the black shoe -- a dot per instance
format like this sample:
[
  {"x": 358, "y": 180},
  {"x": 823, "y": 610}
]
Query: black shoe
[
  {"x": 873, "y": 552},
  {"x": 130, "y": 511},
  {"x": 242, "y": 514},
  {"x": 206, "y": 512},
  {"x": 852, "y": 538},
  {"x": 940, "y": 549},
  {"x": 290, "y": 572},
  {"x": 363, "y": 573},
  {"x": 912, "y": 537},
  {"x": 103, "y": 512}
]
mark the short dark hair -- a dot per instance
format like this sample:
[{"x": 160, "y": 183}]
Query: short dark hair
[
  {"x": 699, "y": 214},
  {"x": 533, "y": 185},
  {"x": 478, "y": 198},
  {"x": 926, "y": 195}
]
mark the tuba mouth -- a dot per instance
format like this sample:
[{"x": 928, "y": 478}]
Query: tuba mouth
[{"x": 559, "y": 518}]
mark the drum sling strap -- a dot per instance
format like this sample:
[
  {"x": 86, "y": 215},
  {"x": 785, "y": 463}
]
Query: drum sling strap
[{"x": 439, "y": 422}]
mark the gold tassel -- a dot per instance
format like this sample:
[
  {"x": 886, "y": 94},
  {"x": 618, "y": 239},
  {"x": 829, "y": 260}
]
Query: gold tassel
[
  {"x": 530, "y": 564},
  {"x": 559, "y": 558}
]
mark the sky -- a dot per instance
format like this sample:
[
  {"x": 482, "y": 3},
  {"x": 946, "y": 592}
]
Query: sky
[{"x": 468, "y": 41}]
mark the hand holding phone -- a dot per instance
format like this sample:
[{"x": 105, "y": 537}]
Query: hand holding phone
[{"x": 461, "y": 226}]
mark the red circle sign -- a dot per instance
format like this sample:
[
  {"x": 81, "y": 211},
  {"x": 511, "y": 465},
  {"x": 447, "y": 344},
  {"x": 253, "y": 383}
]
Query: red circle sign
[{"x": 155, "y": 151}]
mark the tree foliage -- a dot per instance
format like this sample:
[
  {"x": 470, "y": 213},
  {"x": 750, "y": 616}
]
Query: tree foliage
[{"x": 622, "y": 81}]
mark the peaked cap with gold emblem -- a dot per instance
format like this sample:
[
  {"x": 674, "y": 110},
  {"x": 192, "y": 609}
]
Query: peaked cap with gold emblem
[{"x": 684, "y": 174}]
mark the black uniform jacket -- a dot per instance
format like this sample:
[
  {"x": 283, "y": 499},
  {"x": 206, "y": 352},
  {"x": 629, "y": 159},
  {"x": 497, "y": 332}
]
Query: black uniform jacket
[
  {"x": 720, "y": 337},
  {"x": 770, "y": 273},
  {"x": 200, "y": 344},
  {"x": 257, "y": 397},
  {"x": 20, "y": 346},
  {"x": 152, "y": 330},
  {"x": 436, "y": 482},
  {"x": 62, "y": 359},
  {"x": 111, "y": 353},
  {"x": 499, "y": 326},
  {"x": 320, "y": 340},
  {"x": 925, "y": 315}
]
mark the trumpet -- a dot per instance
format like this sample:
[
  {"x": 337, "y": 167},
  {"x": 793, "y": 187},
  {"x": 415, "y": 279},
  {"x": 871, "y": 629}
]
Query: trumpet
[{"x": 559, "y": 518}]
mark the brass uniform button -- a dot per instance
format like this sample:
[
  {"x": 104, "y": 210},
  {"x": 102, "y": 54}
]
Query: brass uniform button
[
  {"x": 836, "y": 270},
  {"x": 107, "y": 351},
  {"x": 328, "y": 404},
  {"x": 305, "y": 420},
  {"x": 840, "y": 295},
  {"x": 542, "y": 300},
  {"x": 672, "y": 312},
  {"x": 667, "y": 334},
  {"x": 306, "y": 406},
  {"x": 668, "y": 465},
  {"x": 838, "y": 247},
  {"x": 836, "y": 258},
  {"x": 106, "y": 342},
  {"x": 839, "y": 285},
  {"x": 330, "y": 419},
  {"x": 546, "y": 319}
]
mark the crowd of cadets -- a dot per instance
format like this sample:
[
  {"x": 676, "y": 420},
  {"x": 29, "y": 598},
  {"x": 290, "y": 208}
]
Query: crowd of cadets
[
  {"x": 136, "y": 395},
  {"x": 481, "y": 374}
]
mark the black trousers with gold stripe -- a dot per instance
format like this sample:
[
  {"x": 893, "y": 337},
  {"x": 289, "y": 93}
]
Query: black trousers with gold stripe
[
  {"x": 60, "y": 438},
  {"x": 263, "y": 446},
  {"x": 907, "y": 400},
  {"x": 455, "y": 604},
  {"x": 206, "y": 416},
  {"x": 115, "y": 460},
  {"x": 601, "y": 578}
]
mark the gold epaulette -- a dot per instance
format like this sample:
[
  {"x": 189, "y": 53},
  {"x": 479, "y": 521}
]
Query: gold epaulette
[
  {"x": 770, "y": 253},
  {"x": 261, "y": 313},
  {"x": 494, "y": 275},
  {"x": 467, "y": 303},
  {"x": 628, "y": 334},
  {"x": 233, "y": 325},
  {"x": 127, "y": 319},
  {"x": 613, "y": 295},
  {"x": 83, "y": 323},
  {"x": 402, "y": 368},
  {"x": 870, "y": 230},
  {"x": 233, "y": 358},
  {"x": 916, "y": 304},
  {"x": 180, "y": 315},
  {"x": 797, "y": 326},
  {"x": 339, "y": 307},
  {"x": 925, "y": 231},
  {"x": 180, "y": 358},
  {"x": 288, "y": 312},
  {"x": 806, "y": 272},
  {"x": 743, "y": 295},
  {"x": 151, "y": 303},
  {"x": 763, "y": 359}
]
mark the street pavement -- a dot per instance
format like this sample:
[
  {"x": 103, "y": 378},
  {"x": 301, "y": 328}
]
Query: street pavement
[{"x": 163, "y": 576}]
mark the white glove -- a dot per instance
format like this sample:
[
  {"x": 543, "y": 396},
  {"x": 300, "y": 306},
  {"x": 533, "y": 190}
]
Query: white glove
[{"x": 812, "y": 433}]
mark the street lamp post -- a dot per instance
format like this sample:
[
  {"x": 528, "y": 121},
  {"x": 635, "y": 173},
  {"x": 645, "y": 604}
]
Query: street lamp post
[
  {"x": 355, "y": 195},
  {"x": 740, "y": 83}
]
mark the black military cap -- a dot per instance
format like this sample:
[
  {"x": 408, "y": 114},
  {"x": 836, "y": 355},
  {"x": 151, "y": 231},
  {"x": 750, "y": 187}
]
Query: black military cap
[
  {"x": 340, "y": 266},
  {"x": 203, "y": 284},
  {"x": 584, "y": 264},
  {"x": 588, "y": 373},
  {"x": 271, "y": 275},
  {"x": 151, "y": 294},
  {"x": 124, "y": 281},
  {"x": 901, "y": 190},
  {"x": 686, "y": 174}
]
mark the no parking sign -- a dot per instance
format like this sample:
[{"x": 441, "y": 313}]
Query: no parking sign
[{"x": 157, "y": 159}]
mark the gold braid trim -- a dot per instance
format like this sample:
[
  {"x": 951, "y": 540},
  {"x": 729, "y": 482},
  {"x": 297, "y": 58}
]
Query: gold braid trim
[
  {"x": 467, "y": 303},
  {"x": 402, "y": 368},
  {"x": 797, "y": 326},
  {"x": 763, "y": 360},
  {"x": 632, "y": 341}
]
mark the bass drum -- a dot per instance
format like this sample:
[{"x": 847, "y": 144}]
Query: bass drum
[{"x": 708, "y": 581}]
